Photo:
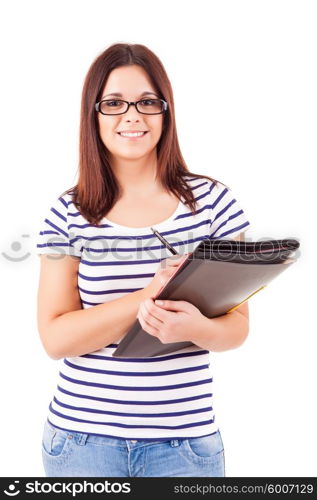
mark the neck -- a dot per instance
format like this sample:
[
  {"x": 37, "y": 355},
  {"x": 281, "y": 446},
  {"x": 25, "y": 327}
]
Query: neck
[{"x": 137, "y": 177}]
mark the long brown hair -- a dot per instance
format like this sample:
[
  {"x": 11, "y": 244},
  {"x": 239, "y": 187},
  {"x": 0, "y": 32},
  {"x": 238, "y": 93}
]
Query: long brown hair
[{"x": 97, "y": 189}]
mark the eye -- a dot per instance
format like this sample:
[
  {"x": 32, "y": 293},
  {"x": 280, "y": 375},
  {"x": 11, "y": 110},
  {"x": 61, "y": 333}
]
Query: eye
[
  {"x": 148, "y": 102},
  {"x": 113, "y": 103}
]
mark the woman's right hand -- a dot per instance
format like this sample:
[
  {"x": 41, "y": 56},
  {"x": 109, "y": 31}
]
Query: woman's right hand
[{"x": 166, "y": 269}]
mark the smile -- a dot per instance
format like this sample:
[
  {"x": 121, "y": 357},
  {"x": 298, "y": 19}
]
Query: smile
[{"x": 132, "y": 134}]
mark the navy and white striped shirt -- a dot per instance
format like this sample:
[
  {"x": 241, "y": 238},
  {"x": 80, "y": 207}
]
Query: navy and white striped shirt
[{"x": 165, "y": 397}]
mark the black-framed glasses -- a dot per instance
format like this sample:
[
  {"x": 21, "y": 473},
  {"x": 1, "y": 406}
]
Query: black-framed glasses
[{"x": 119, "y": 107}]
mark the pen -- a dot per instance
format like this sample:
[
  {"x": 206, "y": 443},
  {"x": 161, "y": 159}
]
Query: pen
[{"x": 163, "y": 240}]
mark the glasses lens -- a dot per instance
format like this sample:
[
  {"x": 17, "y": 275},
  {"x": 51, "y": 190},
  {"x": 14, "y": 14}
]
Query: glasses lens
[
  {"x": 150, "y": 106},
  {"x": 113, "y": 107}
]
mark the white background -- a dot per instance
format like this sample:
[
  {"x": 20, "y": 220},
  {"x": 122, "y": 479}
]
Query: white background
[{"x": 251, "y": 67}]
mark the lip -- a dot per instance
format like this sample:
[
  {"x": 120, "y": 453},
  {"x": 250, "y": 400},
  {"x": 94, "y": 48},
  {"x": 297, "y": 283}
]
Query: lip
[{"x": 131, "y": 131}]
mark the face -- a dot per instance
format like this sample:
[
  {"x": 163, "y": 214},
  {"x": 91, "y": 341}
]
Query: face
[{"x": 131, "y": 82}]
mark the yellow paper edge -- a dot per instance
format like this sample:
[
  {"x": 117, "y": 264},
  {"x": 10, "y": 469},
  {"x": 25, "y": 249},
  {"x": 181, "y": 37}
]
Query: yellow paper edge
[{"x": 235, "y": 307}]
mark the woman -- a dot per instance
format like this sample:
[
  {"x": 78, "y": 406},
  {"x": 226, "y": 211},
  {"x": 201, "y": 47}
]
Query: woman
[{"x": 102, "y": 268}]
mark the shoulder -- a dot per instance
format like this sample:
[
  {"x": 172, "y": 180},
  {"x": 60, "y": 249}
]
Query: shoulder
[
  {"x": 65, "y": 200},
  {"x": 58, "y": 208},
  {"x": 206, "y": 189}
]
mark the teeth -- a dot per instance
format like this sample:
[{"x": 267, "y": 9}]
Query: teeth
[{"x": 132, "y": 134}]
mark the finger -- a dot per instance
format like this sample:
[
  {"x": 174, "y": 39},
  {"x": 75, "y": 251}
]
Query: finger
[
  {"x": 151, "y": 313},
  {"x": 146, "y": 326},
  {"x": 166, "y": 274},
  {"x": 158, "y": 312},
  {"x": 173, "y": 262},
  {"x": 177, "y": 257},
  {"x": 178, "y": 261},
  {"x": 174, "y": 305}
]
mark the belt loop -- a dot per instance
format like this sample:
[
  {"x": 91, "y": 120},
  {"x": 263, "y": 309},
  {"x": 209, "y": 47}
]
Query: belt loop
[
  {"x": 81, "y": 438},
  {"x": 174, "y": 443}
]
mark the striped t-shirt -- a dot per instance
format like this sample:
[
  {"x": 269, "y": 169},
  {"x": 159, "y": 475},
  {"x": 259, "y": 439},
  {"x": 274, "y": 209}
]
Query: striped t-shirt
[{"x": 164, "y": 397}]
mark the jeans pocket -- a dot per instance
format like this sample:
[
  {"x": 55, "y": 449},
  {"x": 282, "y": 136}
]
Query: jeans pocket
[
  {"x": 205, "y": 449},
  {"x": 55, "y": 442}
]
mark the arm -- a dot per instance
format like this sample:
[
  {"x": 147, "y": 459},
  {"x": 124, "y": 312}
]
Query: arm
[
  {"x": 225, "y": 332},
  {"x": 65, "y": 328},
  {"x": 80, "y": 332}
]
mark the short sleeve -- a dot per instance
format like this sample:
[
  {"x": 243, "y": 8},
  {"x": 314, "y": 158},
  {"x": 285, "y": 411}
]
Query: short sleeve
[
  {"x": 54, "y": 236},
  {"x": 227, "y": 217}
]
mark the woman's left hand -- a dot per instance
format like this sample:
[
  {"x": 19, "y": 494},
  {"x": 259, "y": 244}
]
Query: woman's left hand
[{"x": 174, "y": 321}]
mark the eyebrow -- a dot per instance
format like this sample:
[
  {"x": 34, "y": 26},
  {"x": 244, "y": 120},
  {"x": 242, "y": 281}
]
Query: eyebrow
[{"x": 117, "y": 94}]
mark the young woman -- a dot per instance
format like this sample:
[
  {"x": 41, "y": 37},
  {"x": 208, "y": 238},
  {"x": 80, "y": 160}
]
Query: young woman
[{"x": 102, "y": 268}]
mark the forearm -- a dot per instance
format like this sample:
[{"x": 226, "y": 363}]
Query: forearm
[
  {"x": 222, "y": 333},
  {"x": 87, "y": 330}
]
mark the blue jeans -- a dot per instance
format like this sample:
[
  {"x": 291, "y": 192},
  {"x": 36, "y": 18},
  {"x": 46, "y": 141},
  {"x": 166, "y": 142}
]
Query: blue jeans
[{"x": 69, "y": 453}]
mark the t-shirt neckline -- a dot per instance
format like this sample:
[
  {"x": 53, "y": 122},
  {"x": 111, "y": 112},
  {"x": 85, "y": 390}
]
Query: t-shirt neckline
[{"x": 134, "y": 230}]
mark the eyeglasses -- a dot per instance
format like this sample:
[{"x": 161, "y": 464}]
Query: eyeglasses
[{"x": 119, "y": 107}]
